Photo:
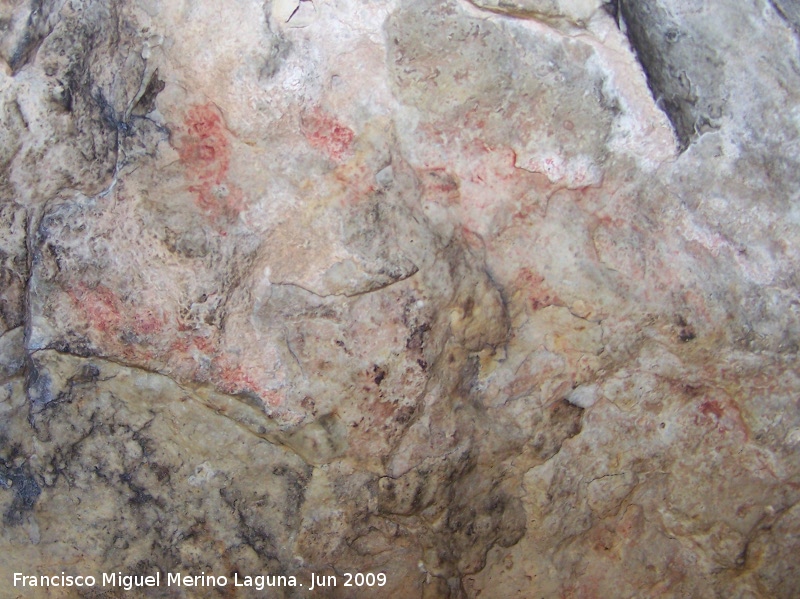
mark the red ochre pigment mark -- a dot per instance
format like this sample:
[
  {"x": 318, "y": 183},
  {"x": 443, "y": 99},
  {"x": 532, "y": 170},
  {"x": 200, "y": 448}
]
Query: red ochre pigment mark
[
  {"x": 205, "y": 152},
  {"x": 724, "y": 415},
  {"x": 540, "y": 295},
  {"x": 145, "y": 322},
  {"x": 204, "y": 345},
  {"x": 440, "y": 186},
  {"x": 712, "y": 407},
  {"x": 234, "y": 378},
  {"x": 472, "y": 237},
  {"x": 325, "y": 133},
  {"x": 357, "y": 182},
  {"x": 219, "y": 200},
  {"x": 99, "y": 306},
  {"x": 205, "y": 149},
  {"x": 474, "y": 118},
  {"x": 492, "y": 165},
  {"x": 106, "y": 312}
]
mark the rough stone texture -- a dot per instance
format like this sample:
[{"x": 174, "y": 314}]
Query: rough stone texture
[{"x": 498, "y": 298}]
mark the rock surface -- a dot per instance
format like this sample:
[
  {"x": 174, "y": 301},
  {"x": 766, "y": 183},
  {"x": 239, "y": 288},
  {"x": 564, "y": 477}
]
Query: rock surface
[{"x": 499, "y": 299}]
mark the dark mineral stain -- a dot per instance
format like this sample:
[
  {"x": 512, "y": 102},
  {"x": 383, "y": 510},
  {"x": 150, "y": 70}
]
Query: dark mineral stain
[
  {"x": 140, "y": 495},
  {"x": 686, "y": 332},
  {"x": 379, "y": 373},
  {"x": 469, "y": 306},
  {"x": 26, "y": 491},
  {"x": 147, "y": 101},
  {"x": 39, "y": 386},
  {"x": 417, "y": 338}
]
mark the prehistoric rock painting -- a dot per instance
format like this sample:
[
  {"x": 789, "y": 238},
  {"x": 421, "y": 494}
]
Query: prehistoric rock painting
[{"x": 416, "y": 298}]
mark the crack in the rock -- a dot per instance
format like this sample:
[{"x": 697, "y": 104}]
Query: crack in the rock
[
  {"x": 258, "y": 427},
  {"x": 34, "y": 216},
  {"x": 9, "y": 331},
  {"x": 505, "y": 8},
  {"x": 36, "y": 32},
  {"x": 612, "y": 475},
  {"x": 789, "y": 11},
  {"x": 683, "y": 72},
  {"x": 105, "y": 358},
  {"x": 293, "y": 354},
  {"x": 372, "y": 289}
]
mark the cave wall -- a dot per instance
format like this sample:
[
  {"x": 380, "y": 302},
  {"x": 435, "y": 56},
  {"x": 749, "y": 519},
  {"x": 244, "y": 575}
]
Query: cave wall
[{"x": 499, "y": 299}]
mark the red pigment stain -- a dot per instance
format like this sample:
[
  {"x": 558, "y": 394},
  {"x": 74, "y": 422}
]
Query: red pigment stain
[
  {"x": 146, "y": 323},
  {"x": 219, "y": 200},
  {"x": 183, "y": 345},
  {"x": 205, "y": 149},
  {"x": 205, "y": 152},
  {"x": 356, "y": 181},
  {"x": 236, "y": 379},
  {"x": 325, "y": 133},
  {"x": 726, "y": 417},
  {"x": 712, "y": 407},
  {"x": 540, "y": 295},
  {"x": 107, "y": 313},
  {"x": 473, "y": 238},
  {"x": 99, "y": 305},
  {"x": 493, "y": 163},
  {"x": 440, "y": 186}
]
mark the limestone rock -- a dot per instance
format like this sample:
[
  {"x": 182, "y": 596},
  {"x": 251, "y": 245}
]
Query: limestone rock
[
  {"x": 496, "y": 299},
  {"x": 573, "y": 11}
]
